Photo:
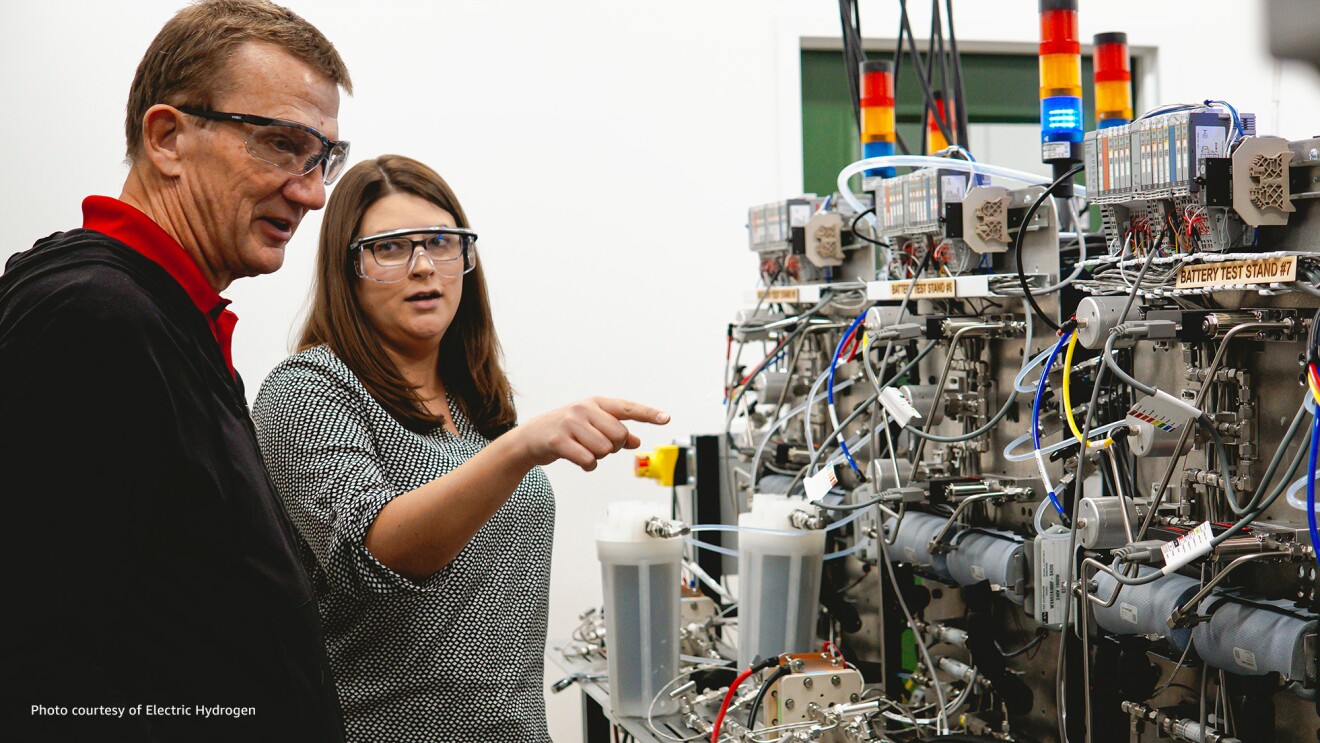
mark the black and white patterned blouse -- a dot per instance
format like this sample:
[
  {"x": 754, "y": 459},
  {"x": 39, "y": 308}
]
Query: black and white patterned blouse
[{"x": 457, "y": 657}]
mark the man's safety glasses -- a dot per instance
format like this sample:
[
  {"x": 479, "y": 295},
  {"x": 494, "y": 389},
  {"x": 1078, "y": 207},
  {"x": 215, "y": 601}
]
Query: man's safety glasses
[{"x": 289, "y": 146}]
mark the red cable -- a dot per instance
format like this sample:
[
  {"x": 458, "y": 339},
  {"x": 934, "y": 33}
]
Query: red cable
[
  {"x": 831, "y": 648},
  {"x": 858, "y": 334},
  {"x": 854, "y": 338},
  {"x": 757, "y": 369},
  {"x": 719, "y": 719}
]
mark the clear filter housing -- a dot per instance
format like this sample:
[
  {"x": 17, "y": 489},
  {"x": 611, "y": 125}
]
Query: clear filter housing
[
  {"x": 779, "y": 580},
  {"x": 643, "y": 583}
]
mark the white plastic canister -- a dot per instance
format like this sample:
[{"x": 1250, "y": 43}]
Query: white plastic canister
[
  {"x": 779, "y": 580},
  {"x": 643, "y": 584}
]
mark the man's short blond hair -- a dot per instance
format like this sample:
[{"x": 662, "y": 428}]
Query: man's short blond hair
[{"x": 187, "y": 61}]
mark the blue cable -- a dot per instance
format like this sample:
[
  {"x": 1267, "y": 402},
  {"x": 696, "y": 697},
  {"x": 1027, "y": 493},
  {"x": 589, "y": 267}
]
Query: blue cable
[
  {"x": 1237, "y": 121},
  {"x": 829, "y": 389},
  {"x": 1035, "y": 407},
  {"x": 1310, "y": 485}
]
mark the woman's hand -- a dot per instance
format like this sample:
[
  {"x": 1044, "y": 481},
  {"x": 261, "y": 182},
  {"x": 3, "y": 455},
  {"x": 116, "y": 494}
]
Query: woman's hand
[
  {"x": 420, "y": 531},
  {"x": 584, "y": 432}
]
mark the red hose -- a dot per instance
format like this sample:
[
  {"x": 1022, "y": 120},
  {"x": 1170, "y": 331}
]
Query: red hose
[{"x": 733, "y": 688}]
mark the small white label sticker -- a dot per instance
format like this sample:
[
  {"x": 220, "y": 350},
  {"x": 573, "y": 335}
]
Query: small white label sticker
[
  {"x": 978, "y": 572},
  {"x": 1210, "y": 141},
  {"x": 1128, "y": 613},
  {"x": 924, "y": 289},
  {"x": 953, "y": 187},
  {"x": 820, "y": 483},
  {"x": 909, "y": 554},
  {"x": 1164, "y": 411},
  {"x": 898, "y": 407},
  {"x": 1054, "y": 150},
  {"x": 1051, "y": 593},
  {"x": 1186, "y": 548},
  {"x": 1245, "y": 658},
  {"x": 798, "y": 214}
]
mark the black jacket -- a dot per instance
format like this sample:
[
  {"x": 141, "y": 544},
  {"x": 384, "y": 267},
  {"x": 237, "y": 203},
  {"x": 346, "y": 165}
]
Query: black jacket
[{"x": 147, "y": 556}]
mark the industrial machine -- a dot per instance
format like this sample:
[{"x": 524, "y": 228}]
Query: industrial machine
[{"x": 989, "y": 473}]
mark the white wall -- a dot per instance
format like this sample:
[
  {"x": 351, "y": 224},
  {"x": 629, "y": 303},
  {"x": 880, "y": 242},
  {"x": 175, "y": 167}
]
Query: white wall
[{"x": 606, "y": 151}]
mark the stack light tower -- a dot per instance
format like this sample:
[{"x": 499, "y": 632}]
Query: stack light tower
[
  {"x": 878, "y": 113},
  {"x": 1061, "y": 128},
  {"x": 1113, "y": 80}
]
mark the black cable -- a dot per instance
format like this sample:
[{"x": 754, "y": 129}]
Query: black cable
[
  {"x": 853, "y": 228},
  {"x": 857, "y": 29},
  {"x": 853, "y": 55},
  {"x": 1041, "y": 634},
  {"x": 866, "y": 571},
  {"x": 1022, "y": 232},
  {"x": 853, "y": 507},
  {"x": 779, "y": 673},
  {"x": 916, "y": 62},
  {"x": 937, "y": 48},
  {"x": 898, "y": 66},
  {"x": 1313, "y": 343},
  {"x": 959, "y": 96}
]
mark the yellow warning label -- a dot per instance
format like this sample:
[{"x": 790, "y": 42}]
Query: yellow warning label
[
  {"x": 1262, "y": 271},
  {"x": 925, "y": 289}
]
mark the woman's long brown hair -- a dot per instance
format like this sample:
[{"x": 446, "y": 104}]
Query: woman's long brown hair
[{"x": 469, "y": 363}]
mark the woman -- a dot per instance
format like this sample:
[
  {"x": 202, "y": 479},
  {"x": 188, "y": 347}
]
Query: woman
[{"x": 391, "y": 437}]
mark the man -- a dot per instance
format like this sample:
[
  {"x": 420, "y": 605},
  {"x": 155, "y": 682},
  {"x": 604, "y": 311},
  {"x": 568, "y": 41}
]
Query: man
[{"x": 154, "y": 577}]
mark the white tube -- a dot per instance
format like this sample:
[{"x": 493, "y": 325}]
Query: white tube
[
  {"x": 1044, "y": 474},
  {"x": 691, "y": 542},
  {"x": 1009, "y": 450},
  {"x": 1043, "y": 508},
  {"x": 1295, "y": 499},
  {"x": 844, "y": 553},
  {"x": 761, "y": 530},
  {"x": 919, "y": 161},
  {"x": 1037, "y": 360},
  {"x": 811, "y": 401}
]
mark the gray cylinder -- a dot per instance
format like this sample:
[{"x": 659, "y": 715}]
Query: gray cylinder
[
  {"x": 1103, "y": 522},
  {"x": 1253, "y": 638},
  {"x": 921, "y": 397},
  {"x": 982, "y": 554},
  {"x": 1145, "y": 610},
  {"x": 1097, "y": 316},
  {"x": 912, "y": 545},
  {"x": 770, "y": 385}
]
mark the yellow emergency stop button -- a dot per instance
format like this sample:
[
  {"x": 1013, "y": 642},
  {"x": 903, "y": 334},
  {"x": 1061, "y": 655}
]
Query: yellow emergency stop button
[{"x": 658, "y": 465}]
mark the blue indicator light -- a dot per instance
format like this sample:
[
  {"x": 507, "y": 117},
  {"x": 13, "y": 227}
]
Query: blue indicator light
[
  {"x": 879, "y": 149},
  {"x": 1061, "y": 119}
]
